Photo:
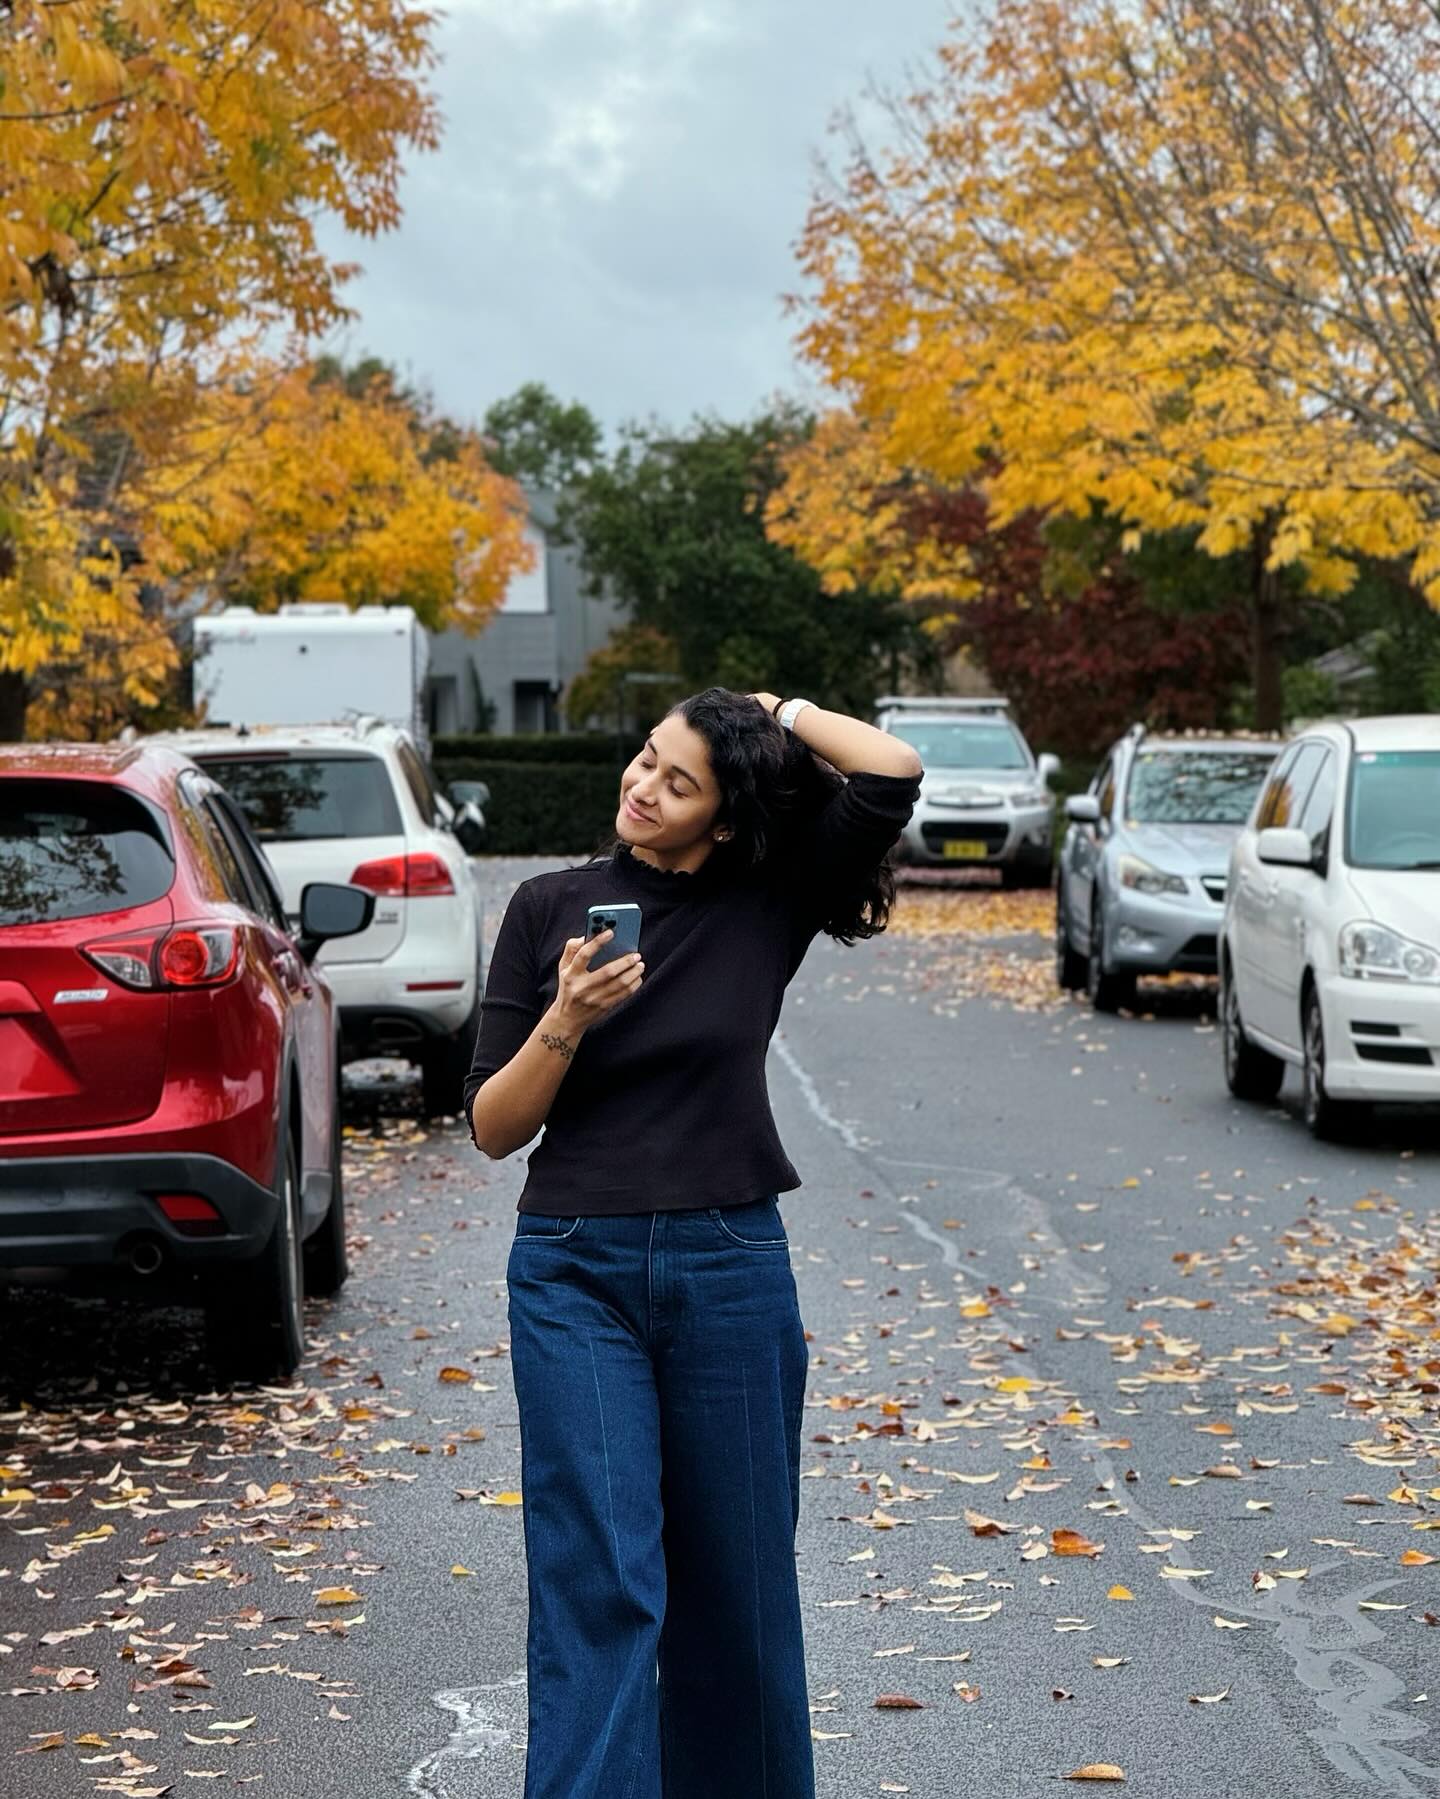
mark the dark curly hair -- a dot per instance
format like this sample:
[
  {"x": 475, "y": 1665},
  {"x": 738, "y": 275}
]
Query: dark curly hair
[{"x": 772, "y": 785}]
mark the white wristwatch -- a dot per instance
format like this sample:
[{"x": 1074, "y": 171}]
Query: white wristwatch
[{"x": 789, "y": 711}]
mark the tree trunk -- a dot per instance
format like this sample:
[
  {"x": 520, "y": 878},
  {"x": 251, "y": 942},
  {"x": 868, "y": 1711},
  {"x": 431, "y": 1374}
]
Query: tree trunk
[
  {"x": 14, "y": 699},
  {"x": 1267, "y": 667}
]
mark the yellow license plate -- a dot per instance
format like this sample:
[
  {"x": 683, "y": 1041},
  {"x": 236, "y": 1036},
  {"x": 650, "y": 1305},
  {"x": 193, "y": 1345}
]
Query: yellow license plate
[{"x": 964, "y": 849}]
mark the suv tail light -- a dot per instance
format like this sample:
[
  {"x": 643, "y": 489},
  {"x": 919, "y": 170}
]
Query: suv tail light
[
  {"x": 409, "y": 877},
  {"x": 169, "y": 956}
]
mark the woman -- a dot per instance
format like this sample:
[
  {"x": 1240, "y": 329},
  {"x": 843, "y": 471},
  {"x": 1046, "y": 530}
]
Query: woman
[{"x": 655, "y": 1337}]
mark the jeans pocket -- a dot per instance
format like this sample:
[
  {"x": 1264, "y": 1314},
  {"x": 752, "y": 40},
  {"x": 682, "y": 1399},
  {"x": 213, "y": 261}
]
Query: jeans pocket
[
  {"x": 757, "y": 1224},
  {"x": 538, "y": 1227}
]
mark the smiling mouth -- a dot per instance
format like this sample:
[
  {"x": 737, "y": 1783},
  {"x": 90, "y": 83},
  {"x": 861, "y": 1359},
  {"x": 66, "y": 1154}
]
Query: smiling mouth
[{"x": 634, "y": 813}]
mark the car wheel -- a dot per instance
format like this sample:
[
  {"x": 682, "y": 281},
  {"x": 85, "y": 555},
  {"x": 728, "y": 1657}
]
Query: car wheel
[
  {"x": 1328, "y": 1118},
  {"x": 1071, "y": 968},
  {"x": 326, "y": 1262},
  {"x": 1250, "y": 1072},
  {"x": 255, "y": 1328},
  {"x": 1109, "y": 989}
]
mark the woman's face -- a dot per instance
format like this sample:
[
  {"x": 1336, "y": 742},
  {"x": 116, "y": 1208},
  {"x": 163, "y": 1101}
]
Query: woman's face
[{"x": 668, "y": 795}]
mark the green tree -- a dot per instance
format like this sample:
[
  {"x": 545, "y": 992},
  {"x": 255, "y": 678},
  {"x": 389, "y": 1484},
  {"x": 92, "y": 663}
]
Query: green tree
[
  {"x": 536, "y": 438},
  {"x": 673, "y": 526}
]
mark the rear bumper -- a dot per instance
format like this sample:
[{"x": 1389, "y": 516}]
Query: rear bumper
[
  {"x": 395, "y": 1006},
  {"x": 393, "y": 1030},
  {"x": 87, "y": 1214}
]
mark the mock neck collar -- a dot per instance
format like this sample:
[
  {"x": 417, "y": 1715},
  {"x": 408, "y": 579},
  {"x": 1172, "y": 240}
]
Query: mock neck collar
[{"x": 666, "y": 880}]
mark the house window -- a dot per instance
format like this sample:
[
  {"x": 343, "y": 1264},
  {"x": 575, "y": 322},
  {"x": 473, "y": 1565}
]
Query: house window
[
  {"x": 534, "y": 706},
  {"x": 443, "y": 705},
  {"x": 529, "y": 592}
]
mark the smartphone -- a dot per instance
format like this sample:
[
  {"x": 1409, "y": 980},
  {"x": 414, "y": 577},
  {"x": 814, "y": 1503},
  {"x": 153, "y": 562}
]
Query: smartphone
[{"x": 624, "y": 919}]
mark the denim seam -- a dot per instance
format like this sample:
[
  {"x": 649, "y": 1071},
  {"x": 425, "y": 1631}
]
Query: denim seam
[
  {"x": 755, "y": 1569},
  {"x": 619, "y": 1560}
]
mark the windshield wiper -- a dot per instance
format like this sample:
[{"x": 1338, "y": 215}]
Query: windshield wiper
[{"x": 1405, "y": 868}]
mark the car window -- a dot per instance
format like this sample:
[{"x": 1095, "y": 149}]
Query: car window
[
  {"x": 1278, "y": 794},
  {"x": 964, "y": 743},
  {"x": 290, "y": 798},
  {"x": 1319, "y": 807},
  {"x": 212, "y": 844},
  {"x": 264, "y": 898},
  {"x": 73, "y": 849},
  {"x": 1194, "y": 787},
  {"x": 418, "y": 781},
  {"x": 1104, "y": 786},
  {"x": 1393, "y": 809}
]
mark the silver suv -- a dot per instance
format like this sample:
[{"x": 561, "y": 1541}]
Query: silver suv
[
  {"x": 985, "y": 799},
  {"x": 1140, "y": 886}
]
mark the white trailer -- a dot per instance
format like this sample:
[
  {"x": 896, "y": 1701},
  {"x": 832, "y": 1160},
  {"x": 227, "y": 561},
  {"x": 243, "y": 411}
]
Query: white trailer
[{"x": 312, "y": 662}]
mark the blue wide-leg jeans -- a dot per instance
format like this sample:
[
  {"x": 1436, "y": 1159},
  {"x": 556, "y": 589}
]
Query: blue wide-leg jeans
[{"x": 660, "y": 1367}]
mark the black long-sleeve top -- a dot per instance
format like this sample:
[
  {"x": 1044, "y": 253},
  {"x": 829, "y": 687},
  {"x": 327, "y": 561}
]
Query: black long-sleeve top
[{"x": 664, "y": 1105}]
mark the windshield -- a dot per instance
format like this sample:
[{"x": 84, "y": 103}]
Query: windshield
[
  {"x": 70, "y": 850},
  {"x": 1195, "y": 787},
  {"x": 944, "y": 743},
  {"x": 1394, "y": 810},
  {"x": 290, "y": 799}
]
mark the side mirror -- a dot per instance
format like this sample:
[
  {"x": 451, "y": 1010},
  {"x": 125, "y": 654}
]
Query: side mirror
[
  {"x": 469, "y": 828},
  {"x": 1284, "y": 848},
  {"x": 472, "y": 792},
  {"x": 1048, "y": 767},
  {"x": 1083, "y": 809},
  {"x": 331, "y": 909}
]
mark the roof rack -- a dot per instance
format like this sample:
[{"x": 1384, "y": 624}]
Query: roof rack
[{"x": 896, "y": 702}]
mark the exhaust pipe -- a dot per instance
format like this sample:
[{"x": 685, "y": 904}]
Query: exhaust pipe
[{"x": 145, "y": 1255}]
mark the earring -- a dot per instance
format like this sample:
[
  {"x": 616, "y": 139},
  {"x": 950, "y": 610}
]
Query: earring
[{"x": 723, "y": 836}]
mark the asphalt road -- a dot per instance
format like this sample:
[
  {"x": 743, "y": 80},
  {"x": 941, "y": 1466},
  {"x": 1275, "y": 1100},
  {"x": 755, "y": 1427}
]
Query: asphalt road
[{"x": 1052, "y": 1274}]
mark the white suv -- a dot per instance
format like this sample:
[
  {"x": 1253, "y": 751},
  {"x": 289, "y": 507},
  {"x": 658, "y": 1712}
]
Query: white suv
[
  {"x": 1330, "y": 948},
  {"x": 355, "y": 802}
]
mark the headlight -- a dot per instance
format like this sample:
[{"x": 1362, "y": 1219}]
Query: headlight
[
  {"x": 1373, "y": 952},
  {"x": 1146, "y": 879},
  {"x": 1031, "y": 796}
]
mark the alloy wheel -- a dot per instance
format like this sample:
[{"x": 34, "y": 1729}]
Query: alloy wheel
[{"x": 1314, "y": 1098}]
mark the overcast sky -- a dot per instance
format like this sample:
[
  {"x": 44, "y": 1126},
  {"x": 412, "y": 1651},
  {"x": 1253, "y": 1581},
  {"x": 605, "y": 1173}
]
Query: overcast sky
[{"x": 616, "y": 201}]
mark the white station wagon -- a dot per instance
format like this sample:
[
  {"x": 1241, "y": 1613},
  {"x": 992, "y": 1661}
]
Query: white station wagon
[{"x": 1330, "y": 947}]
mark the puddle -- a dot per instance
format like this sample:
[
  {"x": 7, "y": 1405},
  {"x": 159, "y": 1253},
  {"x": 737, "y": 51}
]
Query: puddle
[{"x": 487, "y": 1719}]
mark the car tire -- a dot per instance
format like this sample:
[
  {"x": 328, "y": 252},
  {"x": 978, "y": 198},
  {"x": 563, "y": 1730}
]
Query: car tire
[
  {"x": 255, "y": 1327},
  {"x": 1250, "y": 1072},
  {"x": 1027, "y": 871},
  {"x": 327, "y": 1264},
  {"x": 1071, "y": 968},
  {"x": 444, "y": 1064},
  {"x": 1110, "y": 990},
  {"x": 1330, "y": 1120}
]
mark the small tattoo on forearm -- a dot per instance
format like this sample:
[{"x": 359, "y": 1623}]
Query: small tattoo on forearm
[{"x": 551, "y": 1041}]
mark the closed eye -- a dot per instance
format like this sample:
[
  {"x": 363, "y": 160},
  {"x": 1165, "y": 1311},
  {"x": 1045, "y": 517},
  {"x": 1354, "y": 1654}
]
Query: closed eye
[{"x": 679, "y": 792}]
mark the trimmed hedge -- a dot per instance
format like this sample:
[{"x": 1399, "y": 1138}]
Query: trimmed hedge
[
  {"x": 541, "y": 808},
  {"x": 587, "y": 747}
]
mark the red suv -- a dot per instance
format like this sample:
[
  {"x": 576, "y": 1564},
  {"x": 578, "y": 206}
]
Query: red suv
[{"x": 169, "y": 1065}]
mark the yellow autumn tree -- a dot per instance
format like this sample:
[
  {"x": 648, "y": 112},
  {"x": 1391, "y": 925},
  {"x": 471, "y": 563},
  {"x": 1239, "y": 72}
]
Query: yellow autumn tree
[
  {"x": 299, "y": 485},
  {"x": 1167, "y": 259},
  {"x": 162, "y": 169}
]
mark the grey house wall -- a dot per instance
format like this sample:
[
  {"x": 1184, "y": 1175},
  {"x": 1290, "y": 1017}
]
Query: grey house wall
[{"x": 523, "y": 659}]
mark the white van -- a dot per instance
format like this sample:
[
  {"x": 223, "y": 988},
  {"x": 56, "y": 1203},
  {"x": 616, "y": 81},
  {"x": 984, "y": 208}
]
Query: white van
[{"x": 1330, "y": 947}]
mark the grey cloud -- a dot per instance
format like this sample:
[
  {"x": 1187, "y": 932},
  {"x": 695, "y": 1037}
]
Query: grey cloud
[{"x": 614, "y": 208}]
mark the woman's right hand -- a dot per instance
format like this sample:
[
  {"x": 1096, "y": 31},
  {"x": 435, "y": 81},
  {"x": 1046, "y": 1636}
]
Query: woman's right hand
[{"x": 583, "y": 993}]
